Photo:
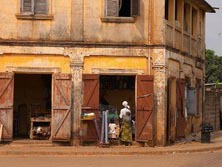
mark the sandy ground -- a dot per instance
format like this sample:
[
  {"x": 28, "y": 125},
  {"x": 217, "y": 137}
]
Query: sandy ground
[{"x": 207, "y": 159}]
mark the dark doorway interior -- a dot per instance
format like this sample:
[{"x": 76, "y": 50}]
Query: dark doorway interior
[
  {"x": 115, "y": 89},
  {"x": 32, "y": 98}
]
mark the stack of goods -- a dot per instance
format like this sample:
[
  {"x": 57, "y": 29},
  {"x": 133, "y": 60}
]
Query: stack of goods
[
  {"x": 88, "y": 116},
  {"x": 41, "y": 131}
]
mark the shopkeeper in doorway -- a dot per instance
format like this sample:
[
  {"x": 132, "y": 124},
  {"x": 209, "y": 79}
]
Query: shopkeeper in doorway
[{"x": 126, "y": 128}]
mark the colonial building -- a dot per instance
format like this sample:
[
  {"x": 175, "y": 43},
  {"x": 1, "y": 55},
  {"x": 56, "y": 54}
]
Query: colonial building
[{"x": 61, "y": 58}]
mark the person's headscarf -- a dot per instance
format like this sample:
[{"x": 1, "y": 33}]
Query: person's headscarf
[{"x": 125, "y": 104}]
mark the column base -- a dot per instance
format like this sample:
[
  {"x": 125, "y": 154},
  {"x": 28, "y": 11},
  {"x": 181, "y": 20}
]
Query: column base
[{"x": 75, "y": 142}]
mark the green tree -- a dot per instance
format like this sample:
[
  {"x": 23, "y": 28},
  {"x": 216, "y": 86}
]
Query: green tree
[{"x": 213, "y": 67}]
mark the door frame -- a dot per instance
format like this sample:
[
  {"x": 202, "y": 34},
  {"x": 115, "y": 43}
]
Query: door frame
[
  {"x": 31, "y": 73},
  {"x": 117, "y": 72},
  {"x": 32, "y": 70}
]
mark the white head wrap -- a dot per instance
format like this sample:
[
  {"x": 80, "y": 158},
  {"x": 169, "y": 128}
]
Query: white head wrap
[{"x": 125, "y": 104}]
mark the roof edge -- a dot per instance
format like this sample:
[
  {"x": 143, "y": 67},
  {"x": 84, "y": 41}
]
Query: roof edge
[{"x": 204, "y": 5}]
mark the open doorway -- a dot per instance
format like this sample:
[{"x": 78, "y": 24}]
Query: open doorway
[
  {"x": 113, "y": 91},
  {"x": 171, "y": 114},
  {"x": 32, "y": 105},
  {"x": 107, "y": 92}
]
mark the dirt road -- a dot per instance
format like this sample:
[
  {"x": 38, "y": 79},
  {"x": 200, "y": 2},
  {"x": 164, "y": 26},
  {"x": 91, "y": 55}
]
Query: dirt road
[{"x": 210, "y": 159}]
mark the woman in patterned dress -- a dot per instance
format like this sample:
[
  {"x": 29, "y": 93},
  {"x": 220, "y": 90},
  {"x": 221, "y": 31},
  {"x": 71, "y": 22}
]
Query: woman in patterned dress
[{"x": 126, "y": 127}]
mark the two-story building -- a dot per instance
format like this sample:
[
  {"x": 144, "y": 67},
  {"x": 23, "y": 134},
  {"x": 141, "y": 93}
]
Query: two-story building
[{"x": 59, "y": 58}]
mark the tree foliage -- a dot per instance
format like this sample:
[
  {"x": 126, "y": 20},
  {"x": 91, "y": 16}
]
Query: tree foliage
[{"x": 213, "y": 67}]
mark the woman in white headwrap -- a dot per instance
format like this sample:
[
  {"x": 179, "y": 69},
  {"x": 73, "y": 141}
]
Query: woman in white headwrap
[{"x": 126, "y": 128}]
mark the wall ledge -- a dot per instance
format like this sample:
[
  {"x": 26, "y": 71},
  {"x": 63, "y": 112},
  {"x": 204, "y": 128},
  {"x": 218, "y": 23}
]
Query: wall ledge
[
  {"x": 21, "y": 16},
  {"x": 118, "y": 19}
]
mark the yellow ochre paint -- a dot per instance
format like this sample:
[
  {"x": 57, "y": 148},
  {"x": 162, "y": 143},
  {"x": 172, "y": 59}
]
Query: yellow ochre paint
[
  {"x": 114, "y": 62},
  {"x": 37, "y": 61}
]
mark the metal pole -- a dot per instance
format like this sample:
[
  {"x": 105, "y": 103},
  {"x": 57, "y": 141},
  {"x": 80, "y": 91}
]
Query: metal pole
[
  {"x": 106, "y": 126},
  {"x": 102, "y": 129}
]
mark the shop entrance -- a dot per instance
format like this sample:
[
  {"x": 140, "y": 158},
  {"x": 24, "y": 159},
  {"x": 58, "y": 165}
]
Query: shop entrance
[
  {"x": 116, "y": 89},
  {"x": 107, "y": 92},
  {"x": 32, "y": 105},
  {"x": 113, "y": 91}
]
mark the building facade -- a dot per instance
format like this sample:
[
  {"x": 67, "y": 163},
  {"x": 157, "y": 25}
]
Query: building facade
[{"x": 64, "y": 58}]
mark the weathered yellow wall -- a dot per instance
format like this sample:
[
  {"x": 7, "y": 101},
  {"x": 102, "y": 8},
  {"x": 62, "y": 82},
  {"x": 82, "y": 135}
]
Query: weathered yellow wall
[
  {"x": 56, "y": 29},
  {"x": 44, "y": 61},
  {"x": 174, "y": 68},
  {"x": 74, "y": 20},
  {"x": 112, "y": 62},
  {"x": 97, "y": 31},
  {"x": 180, "y": 66}
]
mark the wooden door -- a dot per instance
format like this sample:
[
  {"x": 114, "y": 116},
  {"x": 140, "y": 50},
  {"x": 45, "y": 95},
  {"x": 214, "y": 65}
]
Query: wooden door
[
  {"x": 91, "y": 94},
  {"x": 61, "y": 107},
  {"x": 181, "y": 121},
  {"x": 6, "y": 105},
  {"x": 144, "y": 108}
]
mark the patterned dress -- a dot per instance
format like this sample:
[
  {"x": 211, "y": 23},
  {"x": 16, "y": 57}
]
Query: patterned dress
[{"x": 126, "y": 130}]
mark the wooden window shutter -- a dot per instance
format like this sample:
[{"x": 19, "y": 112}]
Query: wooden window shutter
[
  {"x": 134, "y": 7},
  {"x": 27, "y": 6},
  {"x": 41, "y": 7},
  {"x": 112, "y": 8}
]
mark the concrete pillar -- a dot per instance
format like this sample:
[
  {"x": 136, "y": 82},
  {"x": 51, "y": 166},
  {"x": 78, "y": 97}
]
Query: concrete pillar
[
  {"x": 158, "y": 22},
  {"x": 160, "y": 97},
  {"x": 76, "y": 70},
  {"x": 77, "y": 20}
]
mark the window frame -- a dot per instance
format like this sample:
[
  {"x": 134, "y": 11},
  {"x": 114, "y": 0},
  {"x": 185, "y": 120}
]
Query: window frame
[
  {"x": 194, "y": 22},
  {"x": 32, "y": 15},
  {"x": 187, "y": 13},
  {"x": 117, "y": 18}
]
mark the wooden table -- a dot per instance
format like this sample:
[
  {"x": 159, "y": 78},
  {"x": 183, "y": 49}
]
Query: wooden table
[{"x": 89, "y": 130}]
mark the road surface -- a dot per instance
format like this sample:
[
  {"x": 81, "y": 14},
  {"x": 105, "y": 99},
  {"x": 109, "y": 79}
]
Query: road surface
[{"x": 210, "y": 159}]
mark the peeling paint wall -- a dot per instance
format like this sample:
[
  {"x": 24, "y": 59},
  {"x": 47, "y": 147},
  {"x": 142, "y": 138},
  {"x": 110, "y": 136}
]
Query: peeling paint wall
[
  {"x": 180, "y": 66},
  {"x": 73, "y": 20},
  {"x": 57, "y": 28},
  {"x": 34, "y": 61},
  {"x": 115, "y": 63}
]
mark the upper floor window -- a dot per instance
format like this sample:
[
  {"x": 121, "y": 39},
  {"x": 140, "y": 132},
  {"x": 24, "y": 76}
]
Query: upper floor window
[
  {"x": 166, "y": 9},
  {"x": 122, "y": 8},
  {"x": 194, "y": 21},
  {"x": 34, "y": 6},
  {"x": 186, "y": 21},
  {"x": 178, "y": 13},
  {"x": 169, "y": 8}
]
